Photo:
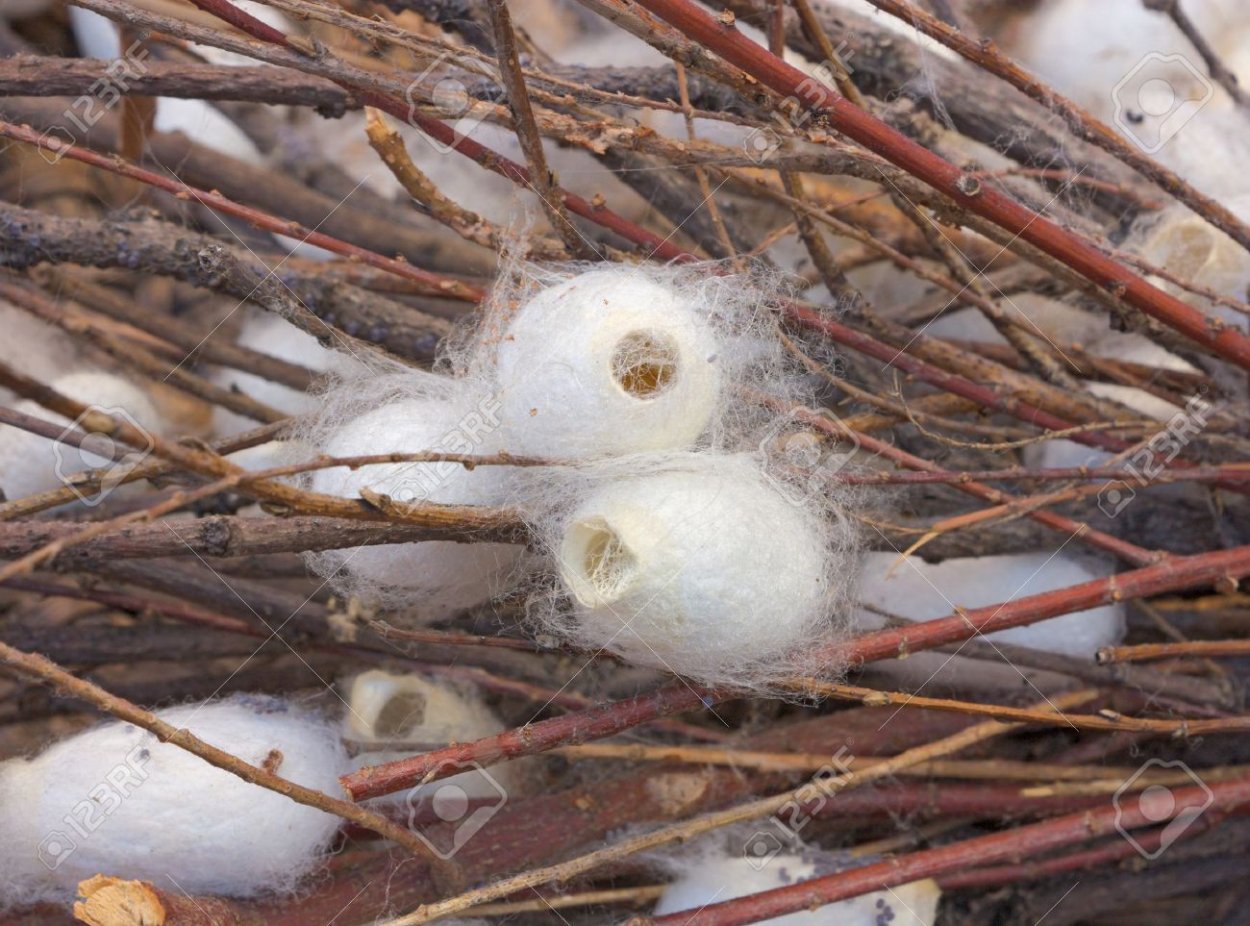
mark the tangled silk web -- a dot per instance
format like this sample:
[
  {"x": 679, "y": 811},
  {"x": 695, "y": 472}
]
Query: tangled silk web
[{"x": 672, "y": 527}]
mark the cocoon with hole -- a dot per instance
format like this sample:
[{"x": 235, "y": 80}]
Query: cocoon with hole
[
  {"x": 450, "y": 576},
  {"x": 116, "y": 800},
  {"x": 701, "y": 566},
  {"x": 609, "y": 362},
  {"x": 388, "y": 708}
]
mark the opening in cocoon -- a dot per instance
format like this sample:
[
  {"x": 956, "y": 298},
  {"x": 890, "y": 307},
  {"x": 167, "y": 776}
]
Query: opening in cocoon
[
  {"x": 608, "y": 362},
  {"x": 389, "y": 709},
  {"x": 695, "y": 563}
]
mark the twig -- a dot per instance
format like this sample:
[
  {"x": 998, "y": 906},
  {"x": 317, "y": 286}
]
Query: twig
[
  {"x": 1109, "y": 721},
  {"x": 1082, "y": 124},
  {"x": 1215, "y": 67},
  {"x": 540, "y": 178},
  {"x": 436, "y": 284},
  {"x": 1190, "y": 648},
  {"x": 38, "y": 667}
]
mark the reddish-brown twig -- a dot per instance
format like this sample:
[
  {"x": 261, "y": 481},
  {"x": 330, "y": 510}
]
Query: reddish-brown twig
[
  {"x": 1032, "y": 839},
  {"x": 1188, "y": 648},
  {"x": 570, "y": 729}
]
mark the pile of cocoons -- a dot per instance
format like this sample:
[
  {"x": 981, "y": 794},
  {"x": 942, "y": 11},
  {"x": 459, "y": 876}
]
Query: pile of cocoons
[
  {"x": 662, "y": 528},
  {"x": 115, "y": 800}
]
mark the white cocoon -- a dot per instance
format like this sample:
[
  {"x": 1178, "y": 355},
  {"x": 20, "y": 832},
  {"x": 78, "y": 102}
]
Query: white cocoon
[
  {"x": 719, "y": 878},
  {"x": 920, "y": 591},
  {"x": 608, "y": 362},
  {"x": 30, "y": 463},
  {"x": 383, "y": 707},
  {"x": 702, "y": 567},
  {"x": 115, "y": 800},
  {"x": 97, "y": 38},
  {"x": 450, "y": 576}
]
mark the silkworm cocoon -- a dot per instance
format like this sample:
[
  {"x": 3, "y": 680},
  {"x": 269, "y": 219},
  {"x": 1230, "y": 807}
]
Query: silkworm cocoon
[
  {"x": 448, "y": 576},
  {"x": 715, "y": 879},
  {"x": 387, "y": 708},
  {"x": 30, "y": 463},
  {"x": 116, "y": 800},
  {"x": 273, "y": 335},
  {"x": 918, "y": 591},
  {"x": 701, "y": 566},
  {"x": 609, "y": 362}
]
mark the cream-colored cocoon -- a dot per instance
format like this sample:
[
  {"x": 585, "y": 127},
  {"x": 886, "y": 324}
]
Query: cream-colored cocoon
[
  {"x": 420, "y": 713},
  {"x": 919, "y": 591},
  {"x": 711, "y": 879},
  {"x": 698, "y": 564}
]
